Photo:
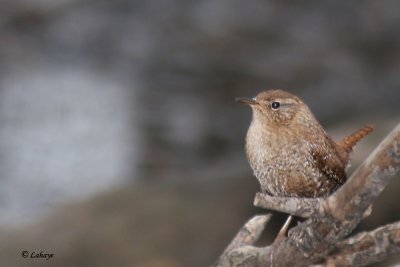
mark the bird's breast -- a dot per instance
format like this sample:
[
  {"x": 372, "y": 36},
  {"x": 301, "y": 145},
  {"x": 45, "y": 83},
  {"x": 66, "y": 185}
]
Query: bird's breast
[{"x": 283, "y": 165}]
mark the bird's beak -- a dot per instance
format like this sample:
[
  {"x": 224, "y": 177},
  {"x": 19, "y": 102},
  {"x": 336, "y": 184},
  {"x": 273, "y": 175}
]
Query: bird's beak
[{"x": 247, "y": 101}]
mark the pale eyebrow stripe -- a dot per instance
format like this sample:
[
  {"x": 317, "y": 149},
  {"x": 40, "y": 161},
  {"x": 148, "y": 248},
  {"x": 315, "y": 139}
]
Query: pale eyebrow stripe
[{"x": 287, "y": 104}]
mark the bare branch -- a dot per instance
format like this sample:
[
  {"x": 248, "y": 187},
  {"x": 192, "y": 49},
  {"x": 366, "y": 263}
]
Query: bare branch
[
  {"x": 250, "y": 232},
  {"x": 248, "y": 235},
  {"x": 366, "y": 248},
  {"x": 302, "y": 207}
]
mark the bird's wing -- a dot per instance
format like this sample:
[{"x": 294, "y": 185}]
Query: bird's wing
[{"x": 330, "y": 165}]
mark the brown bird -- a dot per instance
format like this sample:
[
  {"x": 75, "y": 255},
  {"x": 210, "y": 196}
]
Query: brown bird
[{"x": 290, "y": 153}]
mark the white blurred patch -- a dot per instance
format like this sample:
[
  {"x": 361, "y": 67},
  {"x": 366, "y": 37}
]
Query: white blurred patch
[{"x": 65, "y": 133}]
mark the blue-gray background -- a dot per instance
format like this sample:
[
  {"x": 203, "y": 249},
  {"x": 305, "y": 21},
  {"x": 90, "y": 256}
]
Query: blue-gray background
[{"x": 120, "y": 141}]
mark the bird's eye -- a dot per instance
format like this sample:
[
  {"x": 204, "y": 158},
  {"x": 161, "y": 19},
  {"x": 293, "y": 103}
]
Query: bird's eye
[{"x": 275, "y": 105}]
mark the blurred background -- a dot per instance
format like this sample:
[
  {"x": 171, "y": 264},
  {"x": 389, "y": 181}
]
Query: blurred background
[{"x": 121, "y": 143}]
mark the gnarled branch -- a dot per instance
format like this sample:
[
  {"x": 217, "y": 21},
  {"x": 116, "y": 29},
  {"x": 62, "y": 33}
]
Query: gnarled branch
[{"x": 366, "y": 248}]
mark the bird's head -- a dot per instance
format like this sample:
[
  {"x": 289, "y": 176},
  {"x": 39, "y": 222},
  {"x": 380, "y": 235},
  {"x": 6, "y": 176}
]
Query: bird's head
[{"x": 275, "y": 108}]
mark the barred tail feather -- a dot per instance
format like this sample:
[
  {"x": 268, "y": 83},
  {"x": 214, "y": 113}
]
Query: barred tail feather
[{"x": 350, "y": 141}]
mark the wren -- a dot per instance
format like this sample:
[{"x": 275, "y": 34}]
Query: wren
[{"x": 290, "y": 153}]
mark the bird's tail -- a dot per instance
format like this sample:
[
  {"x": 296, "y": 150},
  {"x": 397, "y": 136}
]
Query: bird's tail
[{"x": 350, "y": 141}]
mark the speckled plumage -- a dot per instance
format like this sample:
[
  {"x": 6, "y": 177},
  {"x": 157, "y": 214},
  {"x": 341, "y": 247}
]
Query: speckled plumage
[{"x": 289, "y": 151}]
